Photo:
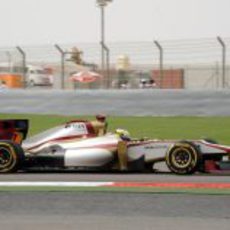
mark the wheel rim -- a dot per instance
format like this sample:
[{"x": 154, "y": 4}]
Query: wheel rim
[
  {"x": 5, "y": 157},
  {"x": 181, "y": 158}
]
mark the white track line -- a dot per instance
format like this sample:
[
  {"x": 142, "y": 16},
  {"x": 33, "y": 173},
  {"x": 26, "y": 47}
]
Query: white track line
[{"x": 53, "y": 184}]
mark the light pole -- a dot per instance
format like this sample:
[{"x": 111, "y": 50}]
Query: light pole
[
  {"x": 107, "y": 63},
  {"x": 102, "y": 4}
]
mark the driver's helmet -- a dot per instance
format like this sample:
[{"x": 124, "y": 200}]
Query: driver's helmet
[
  {"x": 101, "y": 117},
  {"x": 123, "y": 134}
]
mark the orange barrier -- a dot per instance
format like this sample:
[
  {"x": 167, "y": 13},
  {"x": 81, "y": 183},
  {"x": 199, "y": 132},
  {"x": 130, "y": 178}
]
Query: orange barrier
[{"x": 12, "y": 80}]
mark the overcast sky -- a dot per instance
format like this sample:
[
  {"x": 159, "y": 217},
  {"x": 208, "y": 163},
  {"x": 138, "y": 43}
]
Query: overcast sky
[{"x": 31, "y": 22}]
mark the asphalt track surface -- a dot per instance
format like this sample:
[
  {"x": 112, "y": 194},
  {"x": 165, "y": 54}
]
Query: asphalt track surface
[
  {"x": 152, "y": 102},
  {"x": 114, "y": 177},
  {"x": 112, "y": 210},
  {"x": 86, "y": 210}
]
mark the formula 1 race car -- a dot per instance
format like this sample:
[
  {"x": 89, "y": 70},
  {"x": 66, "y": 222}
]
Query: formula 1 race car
[{"x": 77, "y": 145}]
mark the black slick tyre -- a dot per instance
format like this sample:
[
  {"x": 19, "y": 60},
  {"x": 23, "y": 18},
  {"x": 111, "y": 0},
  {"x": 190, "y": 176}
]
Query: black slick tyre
[
  {"x": 11, "y": 156},
  {"x": 183, "y": 158}
]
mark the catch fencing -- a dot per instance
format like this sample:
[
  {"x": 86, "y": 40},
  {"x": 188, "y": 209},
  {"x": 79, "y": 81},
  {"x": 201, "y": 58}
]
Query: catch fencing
[{"x": 189, "y": 64}]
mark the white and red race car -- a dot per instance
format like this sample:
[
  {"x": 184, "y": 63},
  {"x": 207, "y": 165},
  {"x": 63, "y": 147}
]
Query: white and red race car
[{"x": 76, "y": 145}]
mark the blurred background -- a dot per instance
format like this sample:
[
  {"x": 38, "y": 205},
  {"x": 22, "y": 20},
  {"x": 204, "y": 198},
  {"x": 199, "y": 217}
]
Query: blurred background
[{"x": 121, "y": 48}]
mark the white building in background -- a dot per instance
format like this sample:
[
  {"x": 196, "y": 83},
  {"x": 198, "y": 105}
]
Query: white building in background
[{"x": 205, "y": 77}]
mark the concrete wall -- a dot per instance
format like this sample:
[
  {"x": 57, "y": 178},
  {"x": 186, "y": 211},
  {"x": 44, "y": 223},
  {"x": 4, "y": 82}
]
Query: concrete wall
[{"x": 209, "y": 77}]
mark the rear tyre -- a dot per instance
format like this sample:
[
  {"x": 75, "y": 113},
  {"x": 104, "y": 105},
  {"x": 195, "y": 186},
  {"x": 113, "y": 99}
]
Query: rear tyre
[
  {"x": 11, "y": 156},
  {"x": 183, "y": 158}
]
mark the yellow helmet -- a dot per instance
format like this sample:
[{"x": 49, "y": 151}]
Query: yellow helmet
[{"x": 122, "y": 133}]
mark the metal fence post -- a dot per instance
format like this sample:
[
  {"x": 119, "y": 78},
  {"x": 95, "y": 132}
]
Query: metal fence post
[
  {"x": 160, "y": 62},
  {"x": 9, "y": 60},
  {"x": 62, "y": 52},
  {"x": 220, "y": 40},
  {"x": 21, "y": 51}
]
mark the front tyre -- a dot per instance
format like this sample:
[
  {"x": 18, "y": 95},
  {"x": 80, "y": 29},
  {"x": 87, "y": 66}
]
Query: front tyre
[
  {"x": 11, "y": 156},
  {"x": 183, "y": 158}
]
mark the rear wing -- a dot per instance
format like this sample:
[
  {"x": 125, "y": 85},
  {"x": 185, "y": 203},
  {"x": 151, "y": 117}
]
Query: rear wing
[{"x": 14, "y": 129}]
